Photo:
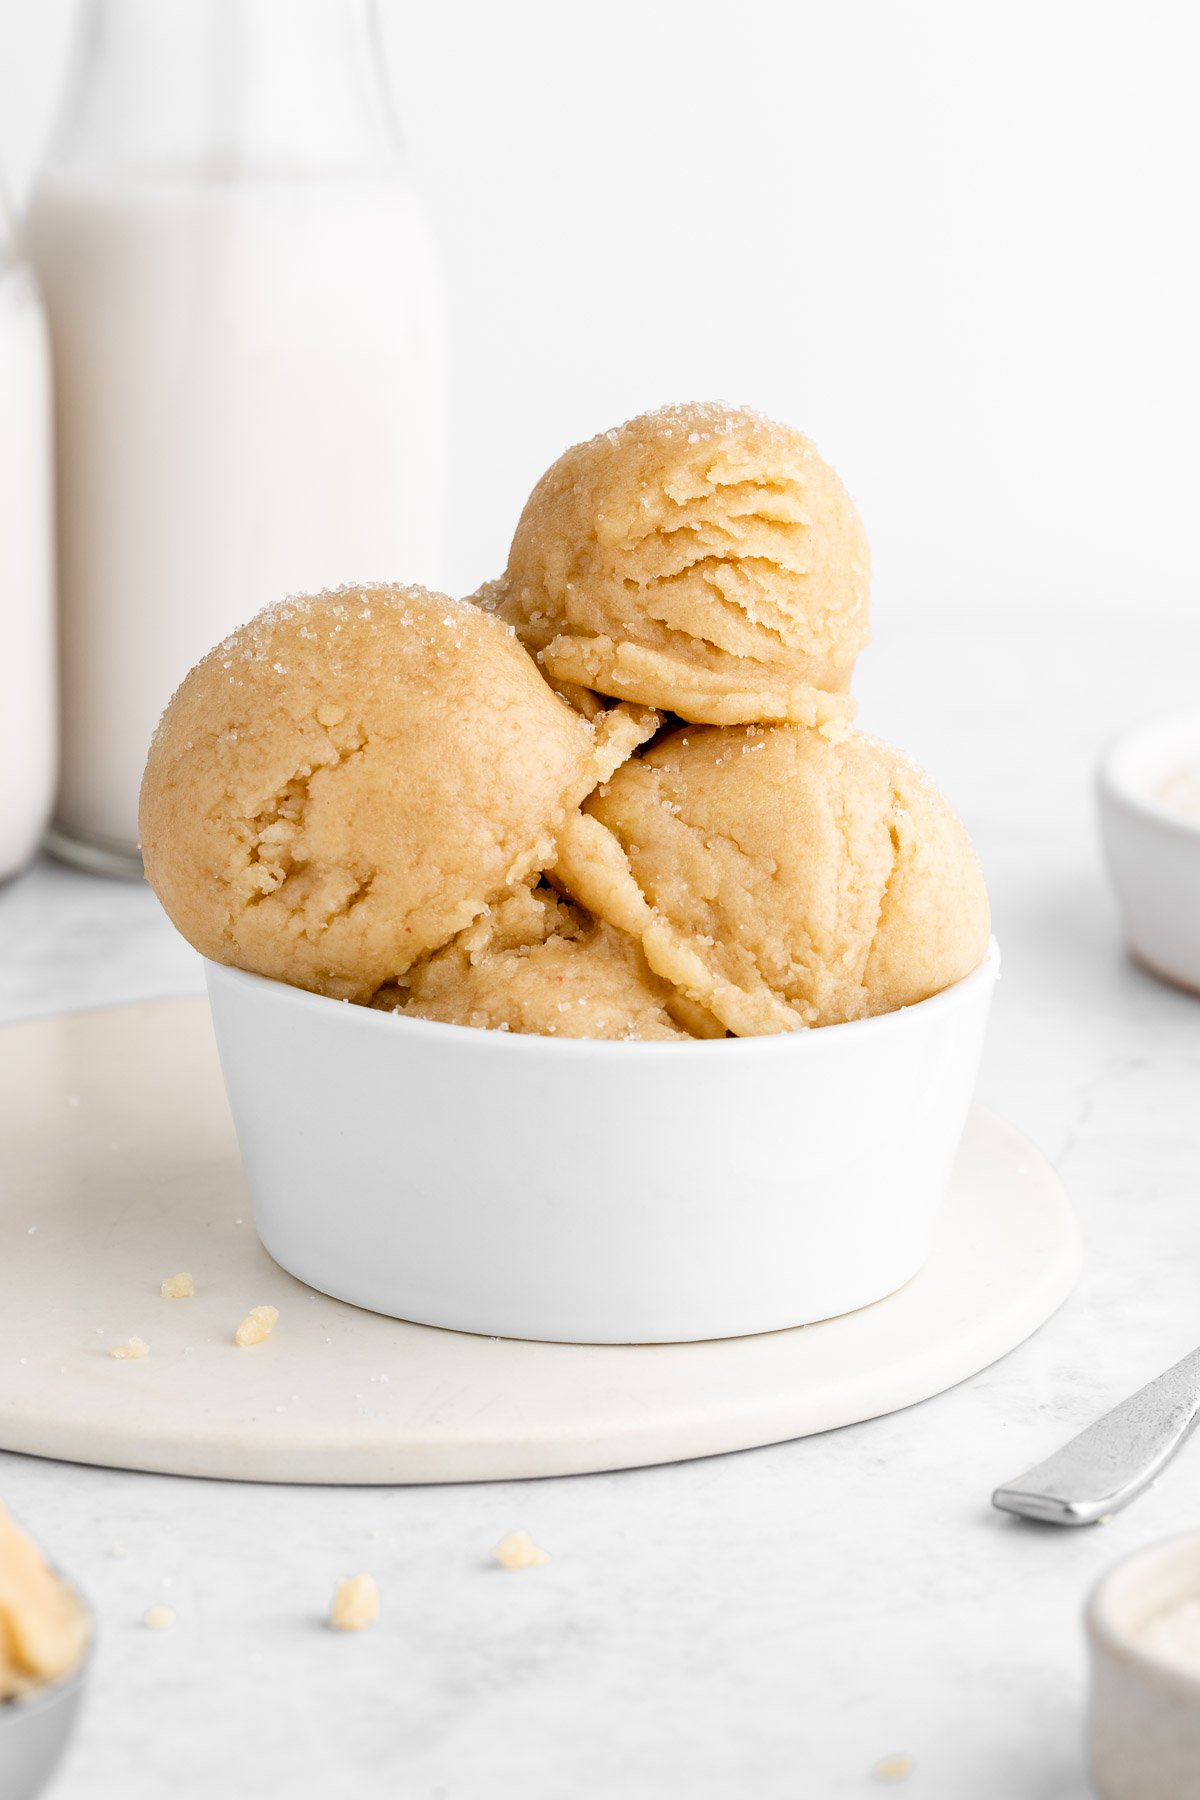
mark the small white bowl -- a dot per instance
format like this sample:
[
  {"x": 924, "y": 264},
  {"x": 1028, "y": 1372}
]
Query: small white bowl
[
  {"x": 1153, "y": 853},
  {"x": 35, "y": 1731},
  {"x": 596, "y": 1192},
  {"x": 1144, "y": 1712}
]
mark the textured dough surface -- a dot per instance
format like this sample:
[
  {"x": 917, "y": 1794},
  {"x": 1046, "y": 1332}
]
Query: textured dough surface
[
  {"x": 534, "y": 963},
  {"x": 701, "y": 559},
  {"x": 780, "y": 879},
  {"x": 43, "y": 1626},
  {"x": 617, "y": 732},
  {"x": 348, "y": 780}
]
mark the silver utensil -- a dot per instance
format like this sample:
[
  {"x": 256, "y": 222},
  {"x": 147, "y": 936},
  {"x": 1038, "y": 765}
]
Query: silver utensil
[{"x": 1111, "y": 1462}]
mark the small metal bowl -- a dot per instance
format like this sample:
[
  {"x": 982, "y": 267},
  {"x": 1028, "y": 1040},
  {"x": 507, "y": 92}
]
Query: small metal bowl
[{"x": 35, "y": 1731}]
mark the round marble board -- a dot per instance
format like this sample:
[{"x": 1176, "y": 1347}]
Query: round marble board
[{"x": 121, "y": 1168}]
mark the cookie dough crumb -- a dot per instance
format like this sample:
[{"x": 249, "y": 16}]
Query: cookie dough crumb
[
  {"x": 328, "y": 714},
  {"x": 518, "y": 1551},
  {"x": 132, "y": 1351},
  {"x": 355, "y": 1603},
  {"x": 159, "y": 1618},
  {"x": 894, "y": 1768},
  {"x": 178, "y": 1287},
  {"x": 256, "y": 1326}
]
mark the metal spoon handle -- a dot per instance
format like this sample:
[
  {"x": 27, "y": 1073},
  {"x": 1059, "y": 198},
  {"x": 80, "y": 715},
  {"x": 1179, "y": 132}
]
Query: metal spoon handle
[{"x": 1110, "y": 1463}]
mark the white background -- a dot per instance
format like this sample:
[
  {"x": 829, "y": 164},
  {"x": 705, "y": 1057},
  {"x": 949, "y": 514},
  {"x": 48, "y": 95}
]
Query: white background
[{"x": 955, "y": 243}]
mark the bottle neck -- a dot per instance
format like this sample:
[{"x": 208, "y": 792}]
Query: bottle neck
[{"x": 225, "y": 89}]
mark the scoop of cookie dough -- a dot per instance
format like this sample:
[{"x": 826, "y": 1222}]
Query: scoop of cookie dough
[
  {"x": 779, "y": 879},
  {"x": 534, "y": 963},
  {"x": 348, "y": 780},
  {"x": 701, "y": 559}
]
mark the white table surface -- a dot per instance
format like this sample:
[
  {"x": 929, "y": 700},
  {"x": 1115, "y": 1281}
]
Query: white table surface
[{"x": 766, "y": 1624}]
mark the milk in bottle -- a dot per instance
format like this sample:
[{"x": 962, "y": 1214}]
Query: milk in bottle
[{"x": 244, "y": 320}]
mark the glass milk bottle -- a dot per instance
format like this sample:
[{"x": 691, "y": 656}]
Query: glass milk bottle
[
  {"x": 27, "y": 721},
  {"x": 245, "y": 331}
]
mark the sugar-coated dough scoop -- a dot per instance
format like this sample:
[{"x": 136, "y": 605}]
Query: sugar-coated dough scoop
[
  {"x": 349, "y": 780},
  {"x": 702, "y": 559},
  {"x": 779, "y": 879}
]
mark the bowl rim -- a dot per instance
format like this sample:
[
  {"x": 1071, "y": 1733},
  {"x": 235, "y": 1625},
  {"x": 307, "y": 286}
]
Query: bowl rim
[
  {"x": 1107, "y": 1633},
  {"x": 510, "y": 1043},
  {"x": 1116, "y": 789}
]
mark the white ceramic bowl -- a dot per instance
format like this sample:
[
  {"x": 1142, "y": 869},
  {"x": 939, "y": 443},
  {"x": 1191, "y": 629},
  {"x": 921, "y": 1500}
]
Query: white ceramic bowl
[
  {"x": 596, "y": 1192},
  {"x": 1144, "y": 1712},
  {"x": 1153, "y": 853}
]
